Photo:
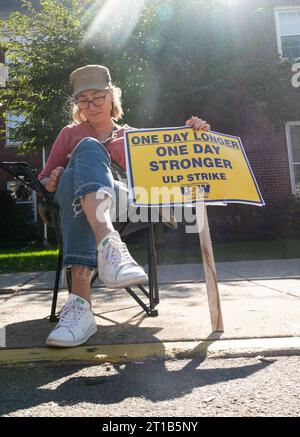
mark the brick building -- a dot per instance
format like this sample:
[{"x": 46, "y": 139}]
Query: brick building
[{"x": 273, "y": 149}]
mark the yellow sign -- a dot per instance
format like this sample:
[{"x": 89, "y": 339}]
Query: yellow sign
[{"x": 181, "y": 166}]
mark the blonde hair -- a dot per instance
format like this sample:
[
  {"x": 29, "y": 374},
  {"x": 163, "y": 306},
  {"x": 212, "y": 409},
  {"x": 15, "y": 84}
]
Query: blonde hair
[{"x": 116, "y": 111}]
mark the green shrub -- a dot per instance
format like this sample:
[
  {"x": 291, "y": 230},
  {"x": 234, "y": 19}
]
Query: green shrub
[
  {"x": 236, "y": 223},
  {"x": 247, "y": 223}
]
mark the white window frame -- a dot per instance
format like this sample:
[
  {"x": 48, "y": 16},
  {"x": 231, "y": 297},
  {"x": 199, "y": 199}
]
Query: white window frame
[
  {"x": 7, "y": 61},
  {"x": 6, "y": 65},
  {"x": 3, "y": 74},
  {"x": 290, "y": 152},
  {"x": 277, "y": 12},
  {"x": 8, "y": 142}
]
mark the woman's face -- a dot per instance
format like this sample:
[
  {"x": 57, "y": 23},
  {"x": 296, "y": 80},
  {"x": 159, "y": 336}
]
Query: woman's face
[{"x": 95, "y": 105}]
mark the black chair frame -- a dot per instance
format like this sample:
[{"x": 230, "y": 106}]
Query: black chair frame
[{"x": 25, "y": 174}]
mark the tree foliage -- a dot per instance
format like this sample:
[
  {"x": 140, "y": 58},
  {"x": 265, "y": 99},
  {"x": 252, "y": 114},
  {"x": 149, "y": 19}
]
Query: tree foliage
[{"x": 172, "y": 59}]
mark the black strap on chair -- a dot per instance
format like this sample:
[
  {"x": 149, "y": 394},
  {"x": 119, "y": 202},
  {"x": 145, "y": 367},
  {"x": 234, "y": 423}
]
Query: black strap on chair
[{"x": 24, "y": 173}]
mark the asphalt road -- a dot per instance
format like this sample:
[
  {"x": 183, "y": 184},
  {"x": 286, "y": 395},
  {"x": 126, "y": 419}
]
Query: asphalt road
[{"x": 181, "y": 388}]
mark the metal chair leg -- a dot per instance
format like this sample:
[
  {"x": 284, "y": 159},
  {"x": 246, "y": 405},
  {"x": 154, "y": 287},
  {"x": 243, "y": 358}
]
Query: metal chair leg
[
  {"x": 153, "y": 261},
  {"x": 153, "y": 286},
  {"x": 56, "y": 221},
  {"x": 53, "y": 317}
]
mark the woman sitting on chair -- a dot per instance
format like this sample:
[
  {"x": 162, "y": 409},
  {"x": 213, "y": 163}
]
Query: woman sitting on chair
[{"x": 78, "y": 171}]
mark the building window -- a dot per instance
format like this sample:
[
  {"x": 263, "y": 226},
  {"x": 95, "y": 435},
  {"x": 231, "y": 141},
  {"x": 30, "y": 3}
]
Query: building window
[
  {"x": 8, "y": 60},
  {"x": 3, "y": 74},
  {"x": 293, "y": 140},
  {"x": 12, "y": 120},
  {"x": 288, "y": 31}
]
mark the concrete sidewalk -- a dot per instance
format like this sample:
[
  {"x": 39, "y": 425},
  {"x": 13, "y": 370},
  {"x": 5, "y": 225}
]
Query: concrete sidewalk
[
  {"x": 170, "y": 274},
  {"x": 260, "y": 302}
]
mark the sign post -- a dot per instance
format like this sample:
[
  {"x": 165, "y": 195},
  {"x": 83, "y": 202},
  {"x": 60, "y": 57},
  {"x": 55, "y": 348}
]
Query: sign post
[{"x": 210, "y": 272}]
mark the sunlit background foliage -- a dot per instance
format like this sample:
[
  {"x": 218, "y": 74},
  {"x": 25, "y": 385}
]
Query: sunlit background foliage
[{"x": 172, "y": 59}]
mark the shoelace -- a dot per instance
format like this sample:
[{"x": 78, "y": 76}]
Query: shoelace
[
  {"x": 70, "y": 315},
  {"x": 117, "y": 253}
]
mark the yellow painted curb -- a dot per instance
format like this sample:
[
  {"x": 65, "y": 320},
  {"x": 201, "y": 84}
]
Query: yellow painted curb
[
  {"x": 135, "y": 352},
  {"x": 100, "y": 354}
]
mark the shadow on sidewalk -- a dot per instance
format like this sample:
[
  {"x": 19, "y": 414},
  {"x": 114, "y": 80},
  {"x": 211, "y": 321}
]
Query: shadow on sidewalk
[{"x": 33, "y": 333}]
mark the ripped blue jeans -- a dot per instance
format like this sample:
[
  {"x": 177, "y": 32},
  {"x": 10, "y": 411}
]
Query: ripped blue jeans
[{"x": 88, "y": 171}]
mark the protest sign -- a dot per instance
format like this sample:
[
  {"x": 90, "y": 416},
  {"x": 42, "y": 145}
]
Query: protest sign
[{"x": 181, "y": 166}]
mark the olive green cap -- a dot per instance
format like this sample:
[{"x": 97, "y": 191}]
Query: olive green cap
[{"x": 90, "y": 77}]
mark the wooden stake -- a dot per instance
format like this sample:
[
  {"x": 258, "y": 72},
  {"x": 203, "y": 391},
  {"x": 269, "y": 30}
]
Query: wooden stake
[{"x": 209, "y": 269}]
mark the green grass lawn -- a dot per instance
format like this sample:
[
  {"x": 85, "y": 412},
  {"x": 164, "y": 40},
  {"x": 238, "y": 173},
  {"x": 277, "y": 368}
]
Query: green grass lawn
[
  {"x": 30, "y": 260},
  {"x": 27, "y": 260}
]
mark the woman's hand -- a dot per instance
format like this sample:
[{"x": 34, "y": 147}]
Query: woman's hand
[
  {"x": 52, "y": 182},
  {"x": 197, "y": 124}
]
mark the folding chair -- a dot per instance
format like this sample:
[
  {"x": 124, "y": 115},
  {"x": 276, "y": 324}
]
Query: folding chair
[{"x": 23, "y": 172}]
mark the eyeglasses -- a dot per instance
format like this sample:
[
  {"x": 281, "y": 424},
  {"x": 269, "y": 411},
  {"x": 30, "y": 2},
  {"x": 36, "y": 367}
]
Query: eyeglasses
[{"x": 97, "y": 101}]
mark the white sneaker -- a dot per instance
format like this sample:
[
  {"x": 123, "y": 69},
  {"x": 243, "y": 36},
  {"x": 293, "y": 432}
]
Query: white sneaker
[
  {"x": 76, "y": 324},
  {"x": 116, "y": 267}
]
